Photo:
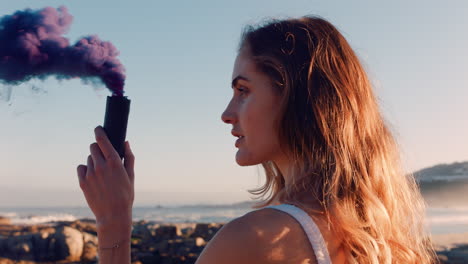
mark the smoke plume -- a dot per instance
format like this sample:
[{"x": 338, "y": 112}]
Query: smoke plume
[{"x": 32, "y": 45}]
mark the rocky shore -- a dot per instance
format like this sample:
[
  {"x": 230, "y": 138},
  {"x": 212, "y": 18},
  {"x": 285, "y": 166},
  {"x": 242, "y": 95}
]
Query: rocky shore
[
  {"x": 452, "y": 248},
  {"x": 76, "y": 242}
]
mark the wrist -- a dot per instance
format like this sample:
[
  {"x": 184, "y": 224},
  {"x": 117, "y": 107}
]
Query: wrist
[
  {"x": 110, "y": 235},
  {"x": 115, "y": 229},
  {"x": 110, "y": 245},
  {"x": 115, "y": 221},
  {"x": 111, "y": 227}
]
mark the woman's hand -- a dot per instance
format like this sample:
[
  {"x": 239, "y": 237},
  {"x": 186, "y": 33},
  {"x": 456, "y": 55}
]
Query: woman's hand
[{"x": 107, "y": 184}]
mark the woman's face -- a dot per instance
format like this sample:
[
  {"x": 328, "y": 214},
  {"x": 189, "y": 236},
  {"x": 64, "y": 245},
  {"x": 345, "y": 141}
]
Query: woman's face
[{"x": 252, "y": 112}]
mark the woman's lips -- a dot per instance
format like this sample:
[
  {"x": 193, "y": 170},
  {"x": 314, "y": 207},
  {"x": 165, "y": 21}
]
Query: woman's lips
[{"x": 239, "y": 140}]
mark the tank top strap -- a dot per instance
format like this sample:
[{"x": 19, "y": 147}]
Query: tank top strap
[{"x": 310, "y": 228}]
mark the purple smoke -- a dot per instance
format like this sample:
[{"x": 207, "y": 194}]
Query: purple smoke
[{"x": 32, "y": 46}]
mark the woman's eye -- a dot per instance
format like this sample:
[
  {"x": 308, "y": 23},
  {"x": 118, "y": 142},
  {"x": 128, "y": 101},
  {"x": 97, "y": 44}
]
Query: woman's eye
[{"x": 242, "y": 90}]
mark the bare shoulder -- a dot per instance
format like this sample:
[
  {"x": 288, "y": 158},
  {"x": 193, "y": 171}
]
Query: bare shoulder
[
  {"x": 236, "y": 242},
  {"x": 262, "y": 237}
]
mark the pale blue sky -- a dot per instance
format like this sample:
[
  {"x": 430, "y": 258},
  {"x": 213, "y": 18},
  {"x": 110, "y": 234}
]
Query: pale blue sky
[{"x": 179, "y": 56}]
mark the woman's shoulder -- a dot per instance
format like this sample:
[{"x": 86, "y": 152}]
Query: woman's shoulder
[{"x": 261, "y": 236}]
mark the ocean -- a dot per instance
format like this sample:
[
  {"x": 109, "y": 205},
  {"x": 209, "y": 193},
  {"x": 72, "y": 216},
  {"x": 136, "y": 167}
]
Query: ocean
[{"x": 439, "y": 220}]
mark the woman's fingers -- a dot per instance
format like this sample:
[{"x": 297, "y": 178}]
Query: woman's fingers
[
  {"x": 81, "y": 170},
  {"x": 97, "y": 155},
  {"x": 90, "y": 167},
  {"x": 106, "y": 182},
  {"x": 129, "y": 162},
  {"x": 105, "y": 145}
]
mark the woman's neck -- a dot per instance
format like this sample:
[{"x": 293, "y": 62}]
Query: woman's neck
[
  {"x": 307, "y": 199},
  {"x": 286, "y": 169}
]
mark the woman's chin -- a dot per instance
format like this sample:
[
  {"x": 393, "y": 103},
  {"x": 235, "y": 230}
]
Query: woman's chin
[
  {"x": 242, "y": 160},
  {"x": 242, "y": 163}
]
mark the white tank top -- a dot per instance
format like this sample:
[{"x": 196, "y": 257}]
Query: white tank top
[{"x": 310, "y": 228}]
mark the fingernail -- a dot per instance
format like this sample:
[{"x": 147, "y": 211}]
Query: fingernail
[{"x": 98, "y": 129}]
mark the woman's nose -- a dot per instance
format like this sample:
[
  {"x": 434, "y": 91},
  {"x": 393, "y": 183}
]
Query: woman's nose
[{"x": 228, "y": 116}]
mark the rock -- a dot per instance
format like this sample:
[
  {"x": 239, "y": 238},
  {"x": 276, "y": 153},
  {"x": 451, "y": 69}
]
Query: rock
[
  {"x": 6, "y": 261},
  {"x": 192, "y": 255},
  {"x": 133, "y": 254},
  {"x": 148, "y": 258},
  {"x": 160, "y": 247},
  {"x": 187, "y": 231},
  {"x": 74, "y": 242},
  {"x": 70, "y": 243},
  {"x": 195, "y": 242},
  {"x": 7, "y": 230},
  {"x": 177, "y": 247},
  {"x": 167, "y": 232},
  {"x": 206, "y": 231},
  {"x": 182, "y": 250},
  {"x": 44, "y": 245},
  {"x": 48, "y": 244},
  {"x": 90, "y": 253},
  {"x": 18, "y": 247},
  {"x": 34, "y": 229},
  {"x": 463, "y": 247},
  {"x": 442, "y": 258},
  {"x": 136, "y": 243},
  {"x": 143, "y": 232},
  {"x": 189, "y": 259},
  {"x": 200, "y": 242},
  {"x": 5, "y": 220},
  {"x": 85, "y": 225},
  {"x": 167, "y": 260},
  {"x": 90, "y": 248},
  {"x": 456, "y": 256}
]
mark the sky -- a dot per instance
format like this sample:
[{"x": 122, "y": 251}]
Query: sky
[{"x": 179, "y": 56}]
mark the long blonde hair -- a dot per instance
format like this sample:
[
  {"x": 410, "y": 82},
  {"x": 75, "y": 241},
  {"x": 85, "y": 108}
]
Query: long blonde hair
[{"x": 345, "y": 156}]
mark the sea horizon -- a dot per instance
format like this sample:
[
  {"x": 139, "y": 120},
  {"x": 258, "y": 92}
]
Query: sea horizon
[{"x": 439, "y": 220}]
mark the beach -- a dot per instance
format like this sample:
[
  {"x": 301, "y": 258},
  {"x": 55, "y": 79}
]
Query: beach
[
  {"x": 451, "y": 248},
  {"x": 152, "y": 242},
  {"x": 76, "y": 242}
]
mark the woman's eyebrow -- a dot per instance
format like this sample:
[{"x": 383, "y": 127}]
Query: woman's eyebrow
[{"x": 236, "y": 80}]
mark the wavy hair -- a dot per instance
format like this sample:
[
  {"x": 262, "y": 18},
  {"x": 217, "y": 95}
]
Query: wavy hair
[{"x": 345, "y": 156}]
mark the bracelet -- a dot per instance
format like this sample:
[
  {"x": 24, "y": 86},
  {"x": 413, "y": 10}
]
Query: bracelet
[{"x": 115, "y": 246}]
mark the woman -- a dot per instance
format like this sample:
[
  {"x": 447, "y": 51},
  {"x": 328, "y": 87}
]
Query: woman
[{"x": 304, "y": 108}]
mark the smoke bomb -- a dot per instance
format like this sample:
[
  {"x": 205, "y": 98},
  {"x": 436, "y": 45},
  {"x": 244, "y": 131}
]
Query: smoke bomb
[
  {"x": 115, "y": 121},
  {"x": 33, "y": 45}
]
